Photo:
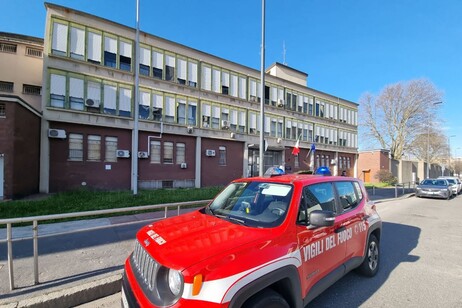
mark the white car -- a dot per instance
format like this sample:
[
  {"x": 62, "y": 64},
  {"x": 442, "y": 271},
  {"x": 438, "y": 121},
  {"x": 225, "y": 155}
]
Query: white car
[{"x": 456, "y": 184}]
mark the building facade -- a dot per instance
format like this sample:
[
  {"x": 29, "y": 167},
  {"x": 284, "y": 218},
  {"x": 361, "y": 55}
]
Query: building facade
[
  {"x": 198, "y": 119},
  {"x": 21, "y": 68}
]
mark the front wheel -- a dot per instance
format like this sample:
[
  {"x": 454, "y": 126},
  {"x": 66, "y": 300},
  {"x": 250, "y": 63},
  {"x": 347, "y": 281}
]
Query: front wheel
[
  {"x": 370, "y": 265},
  {"x": 267, "y": 298}
]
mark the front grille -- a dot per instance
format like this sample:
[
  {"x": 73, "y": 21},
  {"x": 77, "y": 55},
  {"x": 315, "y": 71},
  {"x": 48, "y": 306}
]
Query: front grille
[{"x": 145, "y": 265}]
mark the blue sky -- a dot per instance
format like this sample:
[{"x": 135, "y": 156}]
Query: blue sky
[{"x": 348, "y": 47}]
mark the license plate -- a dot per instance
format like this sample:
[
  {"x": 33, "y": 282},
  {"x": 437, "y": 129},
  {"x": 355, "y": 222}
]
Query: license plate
[{"x": 124, "y": 299}]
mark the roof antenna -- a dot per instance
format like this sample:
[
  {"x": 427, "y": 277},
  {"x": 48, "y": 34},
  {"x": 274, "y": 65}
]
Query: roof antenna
[{"x": 284, "y": 53}]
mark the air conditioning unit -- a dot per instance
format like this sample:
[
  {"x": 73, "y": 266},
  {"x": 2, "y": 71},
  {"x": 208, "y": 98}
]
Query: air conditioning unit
[
  {"x": 183, "y": 165},
  {"x": 57, "y": 133},
  {"x": 224, "y": 124},
  {"x": 209, "y": 152},
  {"x": 281, "y": 103},
  {"x": 143, "y": 154},
  {"x": 123, "y": 153},
  {"x": 92, "y": 103}
]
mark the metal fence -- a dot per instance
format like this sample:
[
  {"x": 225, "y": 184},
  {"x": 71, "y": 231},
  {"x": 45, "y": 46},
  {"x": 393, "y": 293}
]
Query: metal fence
[
  {"x": 36, "y": 219},
  {"x": 395, "y": 191}
]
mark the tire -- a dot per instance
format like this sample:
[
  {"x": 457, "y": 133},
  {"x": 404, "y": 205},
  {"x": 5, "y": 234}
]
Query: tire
[
  {"x": 370, "y": 265},
  {"x": 267, "y": 298}
]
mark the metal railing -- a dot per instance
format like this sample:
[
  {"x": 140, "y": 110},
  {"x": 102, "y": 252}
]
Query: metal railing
[
  {"x": 398, "y": 188},
  {"x": 35, "y": 220}
]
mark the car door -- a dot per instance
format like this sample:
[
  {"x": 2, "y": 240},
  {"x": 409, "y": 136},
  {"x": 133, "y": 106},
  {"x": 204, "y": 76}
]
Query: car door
[
  {"x": 321, "y": 253},
  {"x": 351, "y": 218}
]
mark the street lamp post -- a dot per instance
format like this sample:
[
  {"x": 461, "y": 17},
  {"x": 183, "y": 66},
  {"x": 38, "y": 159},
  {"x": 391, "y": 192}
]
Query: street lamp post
[
  {"x": 428, "y": 144},
  {"x": 449, "y": 153}
]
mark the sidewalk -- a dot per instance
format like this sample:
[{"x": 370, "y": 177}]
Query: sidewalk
[{"x": 76, "y": 266}]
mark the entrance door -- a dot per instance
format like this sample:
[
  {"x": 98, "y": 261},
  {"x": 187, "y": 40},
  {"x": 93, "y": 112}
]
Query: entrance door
[{"x": 1, "y": 176}]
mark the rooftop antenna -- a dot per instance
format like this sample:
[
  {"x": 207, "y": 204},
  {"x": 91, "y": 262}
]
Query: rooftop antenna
[{"x": 284, "y": 53}]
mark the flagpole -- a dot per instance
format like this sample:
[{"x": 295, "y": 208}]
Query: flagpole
[{"x": 262, "y": 102}]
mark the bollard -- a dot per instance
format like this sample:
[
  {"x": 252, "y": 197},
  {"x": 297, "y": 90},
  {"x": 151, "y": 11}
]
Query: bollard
[{"x": 396, "y": 190}]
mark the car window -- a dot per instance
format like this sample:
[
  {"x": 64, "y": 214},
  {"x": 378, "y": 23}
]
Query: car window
[
  {"x": 347, "y": 195},
  {"x": 316, "y": 197}
]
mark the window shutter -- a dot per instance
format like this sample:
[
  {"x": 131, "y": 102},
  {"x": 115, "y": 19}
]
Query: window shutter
[
  {"x": 77, "y": 41},
  {"x": 76, "y": 87},
  {"x": 94, "y": 47},
  {"x": 59, "y": 37},
  {"x": 58, "y": 84}
]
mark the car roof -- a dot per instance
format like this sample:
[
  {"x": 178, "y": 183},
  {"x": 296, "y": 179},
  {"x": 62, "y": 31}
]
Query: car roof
[{"x": 302, "y": 179}]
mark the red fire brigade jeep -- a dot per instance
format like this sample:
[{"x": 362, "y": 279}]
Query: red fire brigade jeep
[{"x": 263, "y": 242}]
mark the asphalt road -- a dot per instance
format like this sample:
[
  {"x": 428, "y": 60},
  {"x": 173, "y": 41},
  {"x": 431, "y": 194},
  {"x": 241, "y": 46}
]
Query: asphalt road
[{"x": 421, "y": 264}]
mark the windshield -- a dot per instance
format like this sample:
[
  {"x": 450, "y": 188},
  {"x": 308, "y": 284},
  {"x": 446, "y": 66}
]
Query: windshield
[
  {"x": 254, "y": 204},
  {"x": 435, "y": 182}
]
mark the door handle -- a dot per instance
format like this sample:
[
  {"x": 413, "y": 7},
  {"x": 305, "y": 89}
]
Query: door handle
[{"x": 338, "y": 230}]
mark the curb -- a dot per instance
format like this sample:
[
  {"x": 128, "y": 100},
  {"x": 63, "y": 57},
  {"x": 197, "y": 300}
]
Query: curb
[
  {"x": 393, "y": 198},
  {"x": 73, "y": 296}
]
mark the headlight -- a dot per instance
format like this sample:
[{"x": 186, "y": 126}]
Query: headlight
[{"x": 175, "y": 281}]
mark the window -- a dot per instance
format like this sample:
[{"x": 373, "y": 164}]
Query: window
[
  {"x": 2, "y": 110},
  {"x": 76, "y": 93},
  {"x": 181, "y": 111},
  {"x": 169, "y": 67},
  {"x": 145, "y": 61},
  {"x": 77, "y": 50},
  {"x": 110, "y": 99},
  {"x": 57, "y": 90},
  {"x": 110, "y": 52},
  {"x": 216, "y": 80},
  {"x": 94, "y": 47},
  {"x": 110, "y": 149},
  {"x": 169, "y": 115},
  {"x": 11, "y": 48},
  {"x": 316, "y": 197},
  {"x": 215, "y": 117},
  {"x": 181, "y": 71},
  {"x": 34, "y": 52},
  {"x": 31, "y": 90},
  {"x": 206, "y": 80},
  {"x": 157, "y": 64},
  {"x": 6, "y": 86},
  {"x": 206, "y": 112},
  {"x": 145, "y": 104},
  {"x": 94, "y": 148},
  {"x": 192, "y": 74},
  {"x": 125, "y": 102},
  {"x": 168, "y": 152},
  {"x": 94, "y": 93},
  {"x": 347, "y": 195},
  {"x": 125, "y": 56},
  {"x": 222, "y": 156},
  {"x": 75, "y": 147},
  {"x": 155, "y": 152},
  {"x": 59, "y": 39},
  {"x": 192, "y": 113},
  {"x": 180, "y": 153},
  {"x": 157, "y": 106},
  {"x": 225, "y": 83}
]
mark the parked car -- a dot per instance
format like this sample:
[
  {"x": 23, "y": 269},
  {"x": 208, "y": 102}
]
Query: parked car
[
  {"x": 262, "y": 242},
  {"x": 456, "y": 180},
  {"x": 434, "y": 188}
]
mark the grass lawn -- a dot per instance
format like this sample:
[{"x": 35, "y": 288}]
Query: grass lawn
[
  {"x": 84, "y": 200},
  {"x": 377, "y": 185}
]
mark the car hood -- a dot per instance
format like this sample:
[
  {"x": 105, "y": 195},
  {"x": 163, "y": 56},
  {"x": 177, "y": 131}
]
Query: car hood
[
  {"x": 432, "y": 187},
  {"x": 182, "y": 241}
]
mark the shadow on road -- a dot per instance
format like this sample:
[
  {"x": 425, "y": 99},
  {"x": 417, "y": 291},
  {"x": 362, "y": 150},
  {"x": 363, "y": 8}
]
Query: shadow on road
[{"x": 354, "y": 290}]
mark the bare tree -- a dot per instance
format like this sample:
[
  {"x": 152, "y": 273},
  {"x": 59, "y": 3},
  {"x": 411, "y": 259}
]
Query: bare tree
[
  {"x": 430, "y": 147},
  {"x": 398, "y": 114}
]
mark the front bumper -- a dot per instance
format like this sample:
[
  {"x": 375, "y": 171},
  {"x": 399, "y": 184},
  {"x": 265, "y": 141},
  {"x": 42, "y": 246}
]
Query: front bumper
[{"x": 433, "y": 194}]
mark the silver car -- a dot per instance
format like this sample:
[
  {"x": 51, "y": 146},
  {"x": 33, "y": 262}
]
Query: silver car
[
  {"x": 434, "y": 188},
  {"x": 452, "y": 179}
]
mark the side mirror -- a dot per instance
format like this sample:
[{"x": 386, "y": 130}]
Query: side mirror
[{"x": 320, "y": 218}]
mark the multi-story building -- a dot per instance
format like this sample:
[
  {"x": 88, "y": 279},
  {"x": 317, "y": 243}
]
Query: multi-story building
[
  {"x": 21, "y": 68},
  {"x": 198, "y": 114}
]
